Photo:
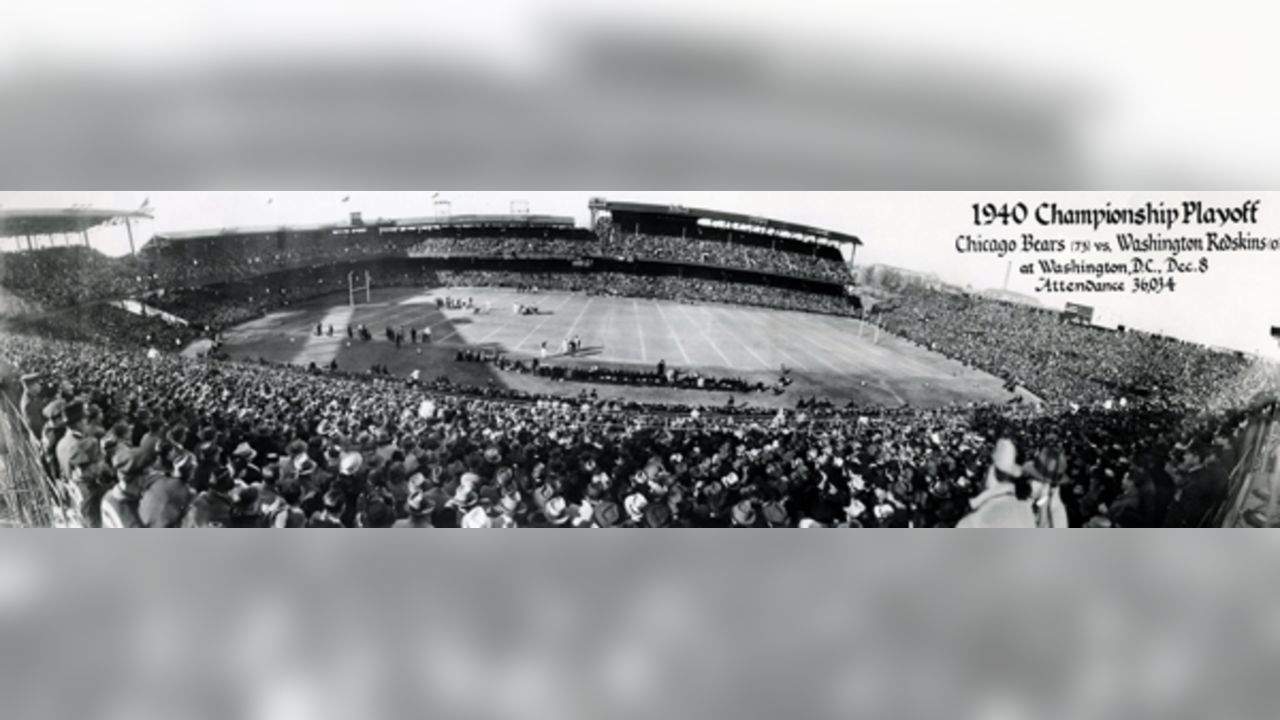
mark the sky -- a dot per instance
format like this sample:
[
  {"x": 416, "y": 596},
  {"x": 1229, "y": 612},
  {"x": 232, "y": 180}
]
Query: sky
[{"x": 1233, "y": 305}]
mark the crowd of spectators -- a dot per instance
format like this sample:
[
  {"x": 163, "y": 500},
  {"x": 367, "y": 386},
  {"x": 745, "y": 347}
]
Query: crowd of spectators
[
  {"x": 1135, "y": 430},
  {"x": 223, "y": 306},
  {"x": 1057, "y": 360},
  {"x": 224, "y": 258},
  {"x": 503, "y": 246},
  {"x": 165, "y": 440},
  {"x": 61, "y": 276},
  {"x": 104, "y": 324},
  {"x": 664, "y": 287},
  {"x": 723, "y": 253},
  {"x": 608, "y": 375},
  {"x": 56, "y": 277}
]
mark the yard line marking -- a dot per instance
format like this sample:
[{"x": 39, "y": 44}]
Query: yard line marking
[
  {"x": 569, "y": 332},
  {"x": 899, "y": 357},
  {"x": 672, "y": 332},
  {"x": 737, "y": 337},
  {"x": 797, "y": 342},
  {"x": 823, "y": 329},
  {"x": 536, "y": 327},
  {"x": 761, "y": 322},
  {"x": 644, "y": 356},
  {"x": 711, "y": 338},
  {"x": 819, "y": 341}
]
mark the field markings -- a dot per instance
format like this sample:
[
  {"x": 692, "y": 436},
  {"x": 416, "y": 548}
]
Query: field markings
[
  {"x": 818, "y": 356},
  {"x": 644, "y": 355},
  {"x": 540, "y": 323},
  {"x": 798, "y": 342},
  {"x": 850, "y": 353},
  {"x": 671, "y": 331},
  {"x": 711, "y": 338},
  {"x": 763, "y": 324},
  {"x": 826, "y": 347},
  {"x": 899, "y": 357},
  {"x": 737, "y": 337}
]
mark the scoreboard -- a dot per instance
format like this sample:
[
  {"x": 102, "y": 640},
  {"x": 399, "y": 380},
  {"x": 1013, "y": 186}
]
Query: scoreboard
[{"x": 1077, "y": 313}]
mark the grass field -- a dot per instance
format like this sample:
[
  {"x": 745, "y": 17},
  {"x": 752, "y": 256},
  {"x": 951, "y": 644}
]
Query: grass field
[{"x": 835, "y": 358}]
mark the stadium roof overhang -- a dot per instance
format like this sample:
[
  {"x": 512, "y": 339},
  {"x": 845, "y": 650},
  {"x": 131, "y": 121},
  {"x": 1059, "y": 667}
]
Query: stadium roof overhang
[
  {"x": 747, "y": 222},
  {"x": 59, "y": 221},
  {"x": 524, "y": 220}
]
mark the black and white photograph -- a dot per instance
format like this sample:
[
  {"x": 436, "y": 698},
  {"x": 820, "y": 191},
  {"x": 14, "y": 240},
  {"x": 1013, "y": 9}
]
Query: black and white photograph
[
  {"x": 594, "y": 360},
  {"x": 668, "y": 267}
]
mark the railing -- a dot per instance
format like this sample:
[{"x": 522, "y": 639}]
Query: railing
[
  {"x": 1253, "y": 499},
  {"x": 27, "y": 497}
]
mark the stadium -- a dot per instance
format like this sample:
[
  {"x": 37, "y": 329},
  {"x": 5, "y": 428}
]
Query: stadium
[{"x": 659, "y": 366}]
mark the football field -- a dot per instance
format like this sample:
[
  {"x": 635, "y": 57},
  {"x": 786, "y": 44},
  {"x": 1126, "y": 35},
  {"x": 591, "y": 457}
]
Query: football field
[{"x": 840, "y": 359}]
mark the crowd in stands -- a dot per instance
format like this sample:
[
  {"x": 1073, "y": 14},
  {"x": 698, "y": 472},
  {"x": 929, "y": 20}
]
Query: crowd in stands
[
  {"x": 603, "y": 374},
  {"x": 501, "y": 246},
  {"x": 223, "y": 306},
  {"x": 165, "y": 440},
  {"x": 1058, "y": 361},
  {"x": 61, "y": 276},
  {"x": 724, "y": 253},
  {"x": 57, "y": 277},
  {"x": 104, "y": 324},
  {"x": 215, "y": 259},
  {"x": 665, "y": 287},
  {"x": 1135, "y": 430}
]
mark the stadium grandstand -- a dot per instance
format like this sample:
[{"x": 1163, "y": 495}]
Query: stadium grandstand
[
  {"x": 661, "y": 367},
  {"x": 728, "y": 240},
  {"x": 49, "y": 259}
]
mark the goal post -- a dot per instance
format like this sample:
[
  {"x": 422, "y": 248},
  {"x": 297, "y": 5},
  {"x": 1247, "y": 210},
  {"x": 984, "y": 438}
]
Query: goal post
[{"x": 353, "y": 278}]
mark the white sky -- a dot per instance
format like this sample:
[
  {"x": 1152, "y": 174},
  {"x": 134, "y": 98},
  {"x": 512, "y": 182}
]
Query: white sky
[{"x": 1234, "y": 305}]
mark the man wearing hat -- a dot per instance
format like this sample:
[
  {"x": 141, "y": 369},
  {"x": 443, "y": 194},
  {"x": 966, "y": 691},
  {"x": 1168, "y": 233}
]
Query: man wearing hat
[
  {"x": 120, "y": 504},
  {"x": 386, "y": 445},
  {"x": 295, "y": 451},
  {"x": 165, "y": 497},
  {"x": 607, "y": 514},
  {"x": 242, "y": 466},
  {"x": 212, "y": 508},
  {"x": 420, "y": 508},
  {"x": 375, "y": 507},
  {"x": 311, "y": 486},
  {"x": 284, "y": 512},
  {"x": 34, "y": 397},
  {"x": 744, "y": 514},
  {"x": 657, "y": 515},
  {"x": 477, "y": 518},
  {"x": 775, "y": 514},
  {"x": 1009, "y": 496},
  {"x": 556, "y": 512},
  {"x": 350, "y": 485},
  {"x": 74, "y": 417},
  {"x": 51, "y": 433},
  {"x": 117, "y": 436},
  {"x": 635, "y": 505},
  {"x": 92, "y": 480},
  {"x": 330, "y": 515}
]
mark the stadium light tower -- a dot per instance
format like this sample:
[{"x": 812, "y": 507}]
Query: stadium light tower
[{"x": 443, "y": 208}]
